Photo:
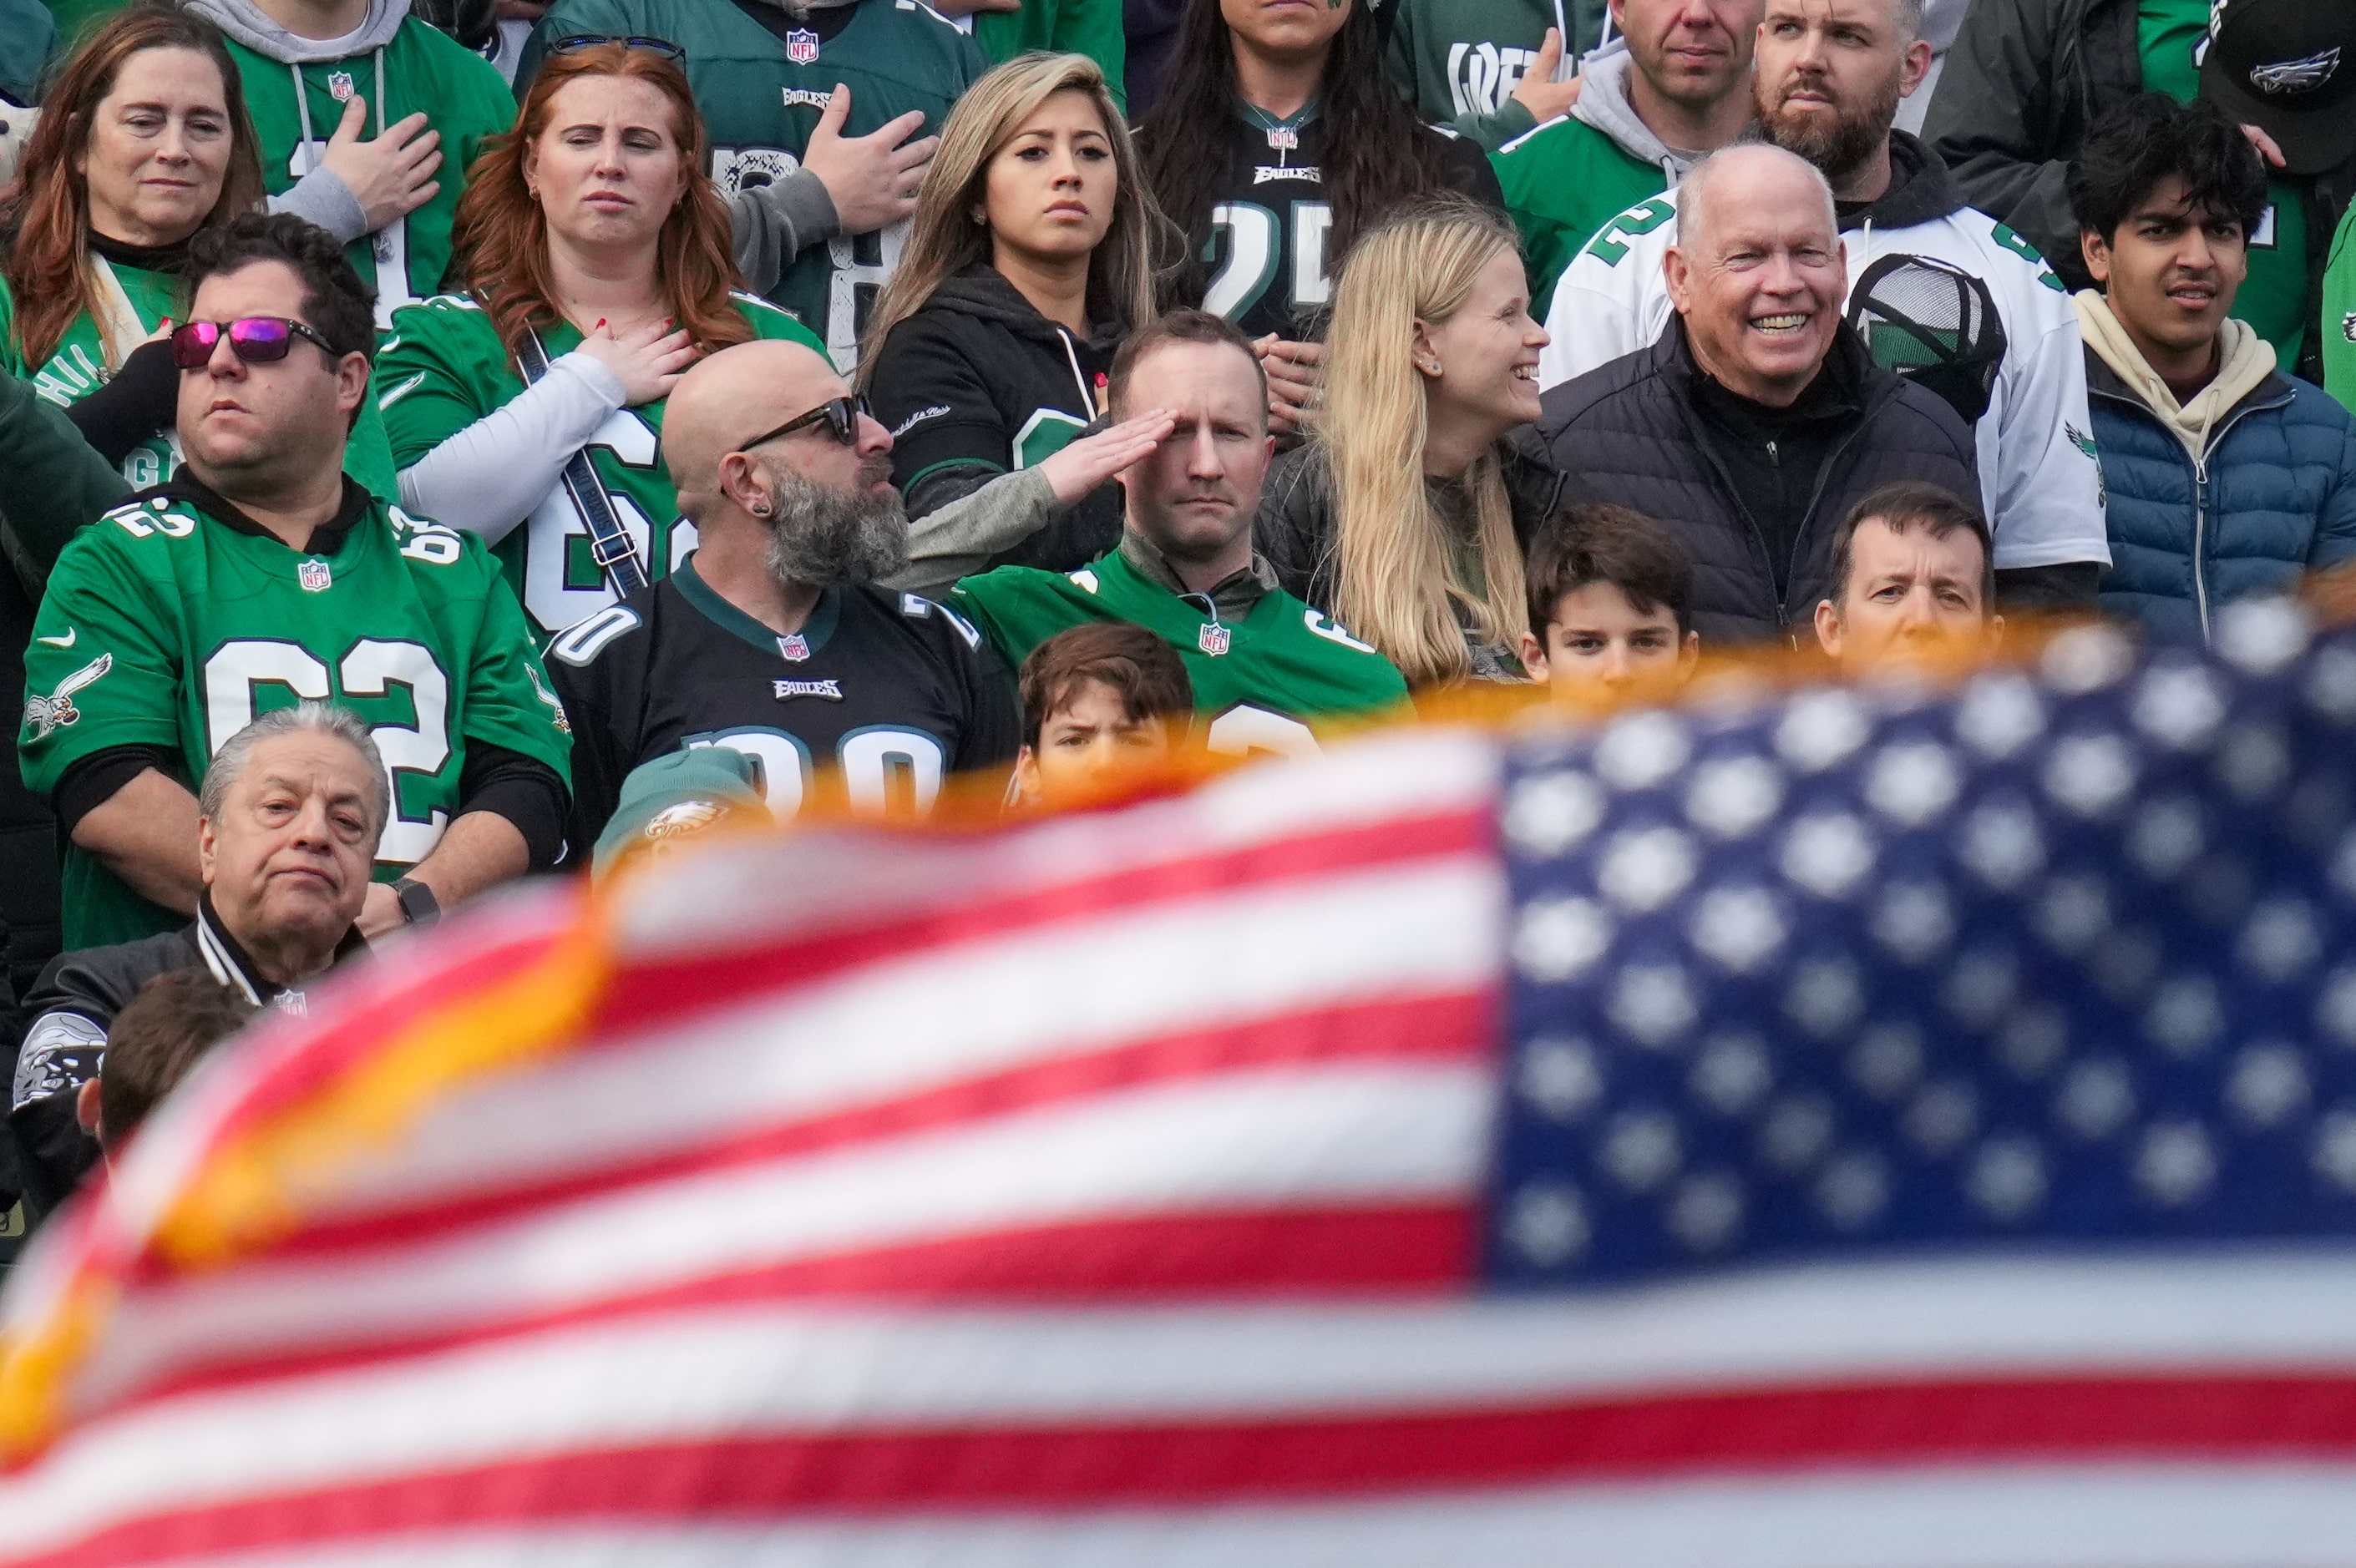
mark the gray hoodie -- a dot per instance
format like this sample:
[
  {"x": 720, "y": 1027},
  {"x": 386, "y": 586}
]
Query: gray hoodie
[
  {"x": 320, "y": 195},
  {"x": 1603, "y": 104}
]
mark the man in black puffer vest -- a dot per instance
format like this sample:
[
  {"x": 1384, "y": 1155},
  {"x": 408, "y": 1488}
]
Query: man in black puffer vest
[{"x": 1758, "y": 420}]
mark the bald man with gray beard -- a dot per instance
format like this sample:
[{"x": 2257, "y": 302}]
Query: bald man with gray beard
[{"x": 773, "y": 638}]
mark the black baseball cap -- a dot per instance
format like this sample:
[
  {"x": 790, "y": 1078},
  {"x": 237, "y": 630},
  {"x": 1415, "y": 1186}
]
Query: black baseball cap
[{"x": 2287, "y": 67}]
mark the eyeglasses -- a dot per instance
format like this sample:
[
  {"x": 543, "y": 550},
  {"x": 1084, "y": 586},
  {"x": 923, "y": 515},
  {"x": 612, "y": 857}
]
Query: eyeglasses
[
  {"x": 256, "y": 340},
  {"x": 663, "y": 46},
  {"x": 842, "y": 416}
]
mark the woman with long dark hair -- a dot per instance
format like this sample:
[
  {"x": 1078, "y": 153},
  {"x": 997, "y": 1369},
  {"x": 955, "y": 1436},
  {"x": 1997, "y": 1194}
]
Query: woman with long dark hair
[
  {"x": 1279, "y": 139},
  {"x": 144, "y": 140},
  {"x": 1029, "y": 259},
  {"x": 596, "y": 249}
]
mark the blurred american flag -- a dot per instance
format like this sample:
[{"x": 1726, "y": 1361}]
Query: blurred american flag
[{"x": 1875, "y": 1127}]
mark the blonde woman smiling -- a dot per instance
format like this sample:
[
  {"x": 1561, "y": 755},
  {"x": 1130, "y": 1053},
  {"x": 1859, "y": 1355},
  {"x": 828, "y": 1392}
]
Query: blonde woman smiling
[{"x": 1406, "y": 515}]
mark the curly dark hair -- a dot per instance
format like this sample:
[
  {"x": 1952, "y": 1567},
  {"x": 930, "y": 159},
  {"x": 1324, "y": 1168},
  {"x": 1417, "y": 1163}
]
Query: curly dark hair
[
  {"x": 2152, "y": 136},
  {"x": 1375, "y": 151},
  {"x": 335, "y": 303},
  {"x": 1598, "y": 542}
]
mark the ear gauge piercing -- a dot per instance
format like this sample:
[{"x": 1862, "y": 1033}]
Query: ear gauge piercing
[{"x": 760, "y": 509}]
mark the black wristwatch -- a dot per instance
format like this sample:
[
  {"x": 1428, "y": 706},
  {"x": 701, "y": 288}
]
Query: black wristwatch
[{"x": 418, "y": 904}]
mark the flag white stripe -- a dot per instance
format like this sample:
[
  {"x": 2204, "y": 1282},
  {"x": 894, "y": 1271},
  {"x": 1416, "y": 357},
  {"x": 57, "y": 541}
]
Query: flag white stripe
[
  {"x": 745, "y": 893},
  {"x": 2126, "y": 1516},
  {"x": 975, "y": 1009},
  {"x": 1344, "y": 1132},
  {"x": 751, "y": 1370}
]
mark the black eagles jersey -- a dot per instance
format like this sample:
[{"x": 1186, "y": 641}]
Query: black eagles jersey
[
  {"x": 1270, "y": 254},
  {"x": 884, "y": 693}
]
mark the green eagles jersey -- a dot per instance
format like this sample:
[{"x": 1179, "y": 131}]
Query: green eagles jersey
[
  {"x": 2339, "y": 324},
  {"x": 461, "y": 93},
  {"x": 443, "y": 369},
  {"x": 2273, "y": 300},
  {"x": 1461, "y": 60},
  {"x": 1090, "y": 28},
  {"x": 1562, "y": 182},
  {"x": 762, "y": 96},
  {"x": 163, "y": 626},
  {"x": 77, "y": 368},
  {"x": 1259, "y": 684}
]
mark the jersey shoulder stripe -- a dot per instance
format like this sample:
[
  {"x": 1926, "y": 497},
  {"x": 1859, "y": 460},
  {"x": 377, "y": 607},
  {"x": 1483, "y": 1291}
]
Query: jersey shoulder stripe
[
  {"x": 936, "y": 16},
  {"x": 1533, "y": 133}
]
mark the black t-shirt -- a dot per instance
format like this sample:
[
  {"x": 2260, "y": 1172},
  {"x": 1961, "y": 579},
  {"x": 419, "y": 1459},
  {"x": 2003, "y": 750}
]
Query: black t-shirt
[
  {"x": 883, "y": 694},
  {"x": 1270, "y": 261}
]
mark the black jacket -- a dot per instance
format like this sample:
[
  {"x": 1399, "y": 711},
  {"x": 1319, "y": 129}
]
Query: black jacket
[
  {"x": 1632, "y": 433},
  {"x": 72, "y": 1007},
  {"x": 976, "y": 384}
]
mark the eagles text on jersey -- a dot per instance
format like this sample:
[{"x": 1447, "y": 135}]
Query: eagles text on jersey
[{"x": 886, "y": 693}]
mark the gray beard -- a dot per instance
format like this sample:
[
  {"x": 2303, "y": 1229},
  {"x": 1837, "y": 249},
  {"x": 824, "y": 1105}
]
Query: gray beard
[{"x": 824, "y": 539}]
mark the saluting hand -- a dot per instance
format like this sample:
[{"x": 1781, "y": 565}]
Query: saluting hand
[
  {"x": 392, "y": 175},
  {"x": 874, "y": 178},
  {"x": 1093, "y": 459},
  {"x": 649, "y": 360}
]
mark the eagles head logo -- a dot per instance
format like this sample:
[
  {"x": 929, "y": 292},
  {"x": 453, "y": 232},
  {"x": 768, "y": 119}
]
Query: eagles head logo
[
  {"x": 2295, "y": 76},
  {"x": 555, "y": 704},
  {"x": 2082, "y": 440},
  {"x": 46, "y": 715}
]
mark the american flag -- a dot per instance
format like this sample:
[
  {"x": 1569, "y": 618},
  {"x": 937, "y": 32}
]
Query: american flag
[{"x": 1878, "y": 1126}]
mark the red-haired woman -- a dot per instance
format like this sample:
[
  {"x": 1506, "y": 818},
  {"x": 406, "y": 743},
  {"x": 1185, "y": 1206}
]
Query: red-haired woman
[
  {"x": 596, "y": 253},
  {"x": 144, "y": 142}
]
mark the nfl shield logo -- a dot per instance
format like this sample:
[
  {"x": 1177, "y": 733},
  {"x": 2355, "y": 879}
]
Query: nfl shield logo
[
  {"x": 801, "y": 45},
  {"x": 1213, "y": 639},
  {"x": 339, "y": 86},
  {"x": 314, "y": 576},
  {"x": 1284, "y": 139},
  {"x": 794, "y": 646}
]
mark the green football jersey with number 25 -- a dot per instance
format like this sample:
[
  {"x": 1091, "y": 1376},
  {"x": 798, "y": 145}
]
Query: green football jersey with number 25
[
  {"x": 165, "y": 627},
  {"x": 443, "y": 367}
]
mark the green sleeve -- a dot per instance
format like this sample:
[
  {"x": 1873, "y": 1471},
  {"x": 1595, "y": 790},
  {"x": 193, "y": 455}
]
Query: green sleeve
[
  {"x": 98, "y": 672},
  {"x": 1090, "y": 28},
  {"x": 1491, "y": 131},
  {"x": 422, "y": 390},
  {"x": 510, "y": 701},
  {"x": 769, "y": 321},
  {"x": 2339, "y": 324},
  {"x": 1002, "y": 605},
  {"x": 1548, "y": 242},
  {"x": 52, "y": 482}
]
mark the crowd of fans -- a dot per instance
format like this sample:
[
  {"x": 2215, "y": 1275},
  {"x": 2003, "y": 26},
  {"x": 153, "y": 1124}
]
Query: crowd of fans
[{"x": 448, "y": 439}]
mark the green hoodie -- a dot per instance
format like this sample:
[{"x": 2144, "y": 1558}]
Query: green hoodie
[
  {"x": 1090, "y": 28},
  {"x": 1460, "y": 60}
]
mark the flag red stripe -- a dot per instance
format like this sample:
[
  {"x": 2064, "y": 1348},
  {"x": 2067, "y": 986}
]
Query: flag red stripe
[
  {"x": 653, "y": 990},
  {"x": 1066, "y": 1468},
  {"x": 1450, "y": 1027},
  {"x": 1371, "y": 1250}
]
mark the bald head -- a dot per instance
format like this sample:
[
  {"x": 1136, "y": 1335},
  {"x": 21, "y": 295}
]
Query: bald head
[
  {"x": 1750, "y": 177},
  {"x": 728, "y": 399}
]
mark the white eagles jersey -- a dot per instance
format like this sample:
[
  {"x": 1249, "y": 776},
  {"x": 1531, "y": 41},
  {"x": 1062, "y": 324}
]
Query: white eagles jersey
[{"x": 2036, "y": 462}]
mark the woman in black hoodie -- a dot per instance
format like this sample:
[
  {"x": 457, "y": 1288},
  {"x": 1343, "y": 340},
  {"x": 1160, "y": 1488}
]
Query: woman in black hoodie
[{"x": 988, "y": 356}]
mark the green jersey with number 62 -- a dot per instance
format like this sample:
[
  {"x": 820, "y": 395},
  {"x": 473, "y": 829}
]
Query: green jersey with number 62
[
  {"x": 464, "y": 99},
  {"x": 761, "y": 89},
  {"x": 168, "y": 625},
  {"x": 1260, "y": 682},
  {"x": 444, "y": 368}
]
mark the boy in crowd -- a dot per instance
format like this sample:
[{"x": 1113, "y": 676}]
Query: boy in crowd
[
  {"x": 1099, "y": 701},
  {"x": 1609, "y": 618},
  {"x": 157, "y": 1040},
  {"x": 2227, "y": 478}
]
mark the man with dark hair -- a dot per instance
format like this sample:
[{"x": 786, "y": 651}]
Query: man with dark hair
[
  {"x": 1611, "y": 608},
  {"x": 2227, "y": 478},
  {"x": 1912, "y": 581},
  {"x": 1263, "y": 665},
  {"x": 1098, "y": 700},
  {"x": 2028, "y": 80},
  {"x": 259, "y": 571},
  {"x": 157, "y": 1040},
  {"x": 1758, "y": 417},
  {"x": 774, "y": 637},
  {"x": 291, "y": 810},
  {"x": 1939, "y": 293}
]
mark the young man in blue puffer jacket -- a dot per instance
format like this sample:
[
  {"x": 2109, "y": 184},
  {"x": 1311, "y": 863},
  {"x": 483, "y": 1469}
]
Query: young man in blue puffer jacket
[{"x": 2227, "y": 478}]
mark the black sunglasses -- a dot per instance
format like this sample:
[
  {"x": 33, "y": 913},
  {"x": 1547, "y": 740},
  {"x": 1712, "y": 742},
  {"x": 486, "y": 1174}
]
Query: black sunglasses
[
  {"x": 841, "y": 414},
  {"x": 256, "y": 340},
  {"x": 663, "y": 46}
]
